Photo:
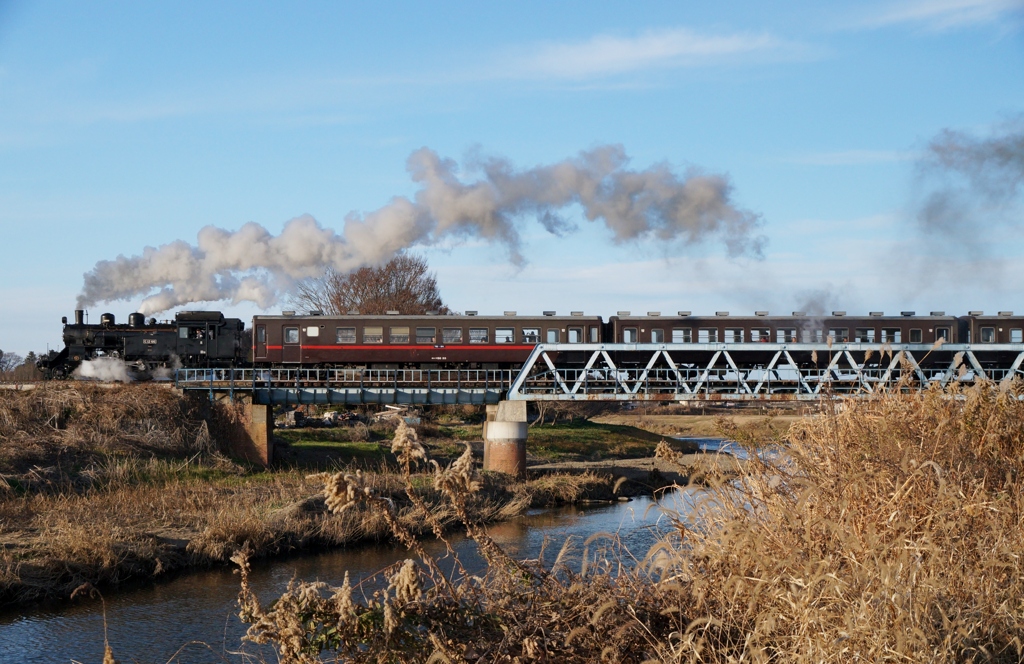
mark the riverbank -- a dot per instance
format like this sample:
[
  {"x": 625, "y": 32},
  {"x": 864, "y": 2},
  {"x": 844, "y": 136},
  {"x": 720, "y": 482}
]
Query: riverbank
[
  {"x": 105, "y": 486},
  {"x": 888, "y": 529}
]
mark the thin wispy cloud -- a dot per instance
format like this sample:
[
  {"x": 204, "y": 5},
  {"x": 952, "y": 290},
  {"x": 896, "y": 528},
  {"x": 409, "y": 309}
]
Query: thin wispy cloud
[
  {"x": 608, "y": 55},
  {"x": 946, "y": 14},
  {"x": 852, "y": 157}
]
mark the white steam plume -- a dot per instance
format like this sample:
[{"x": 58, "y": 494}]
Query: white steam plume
[
  {"x": 105, "y": 369},
  {"x": 253, "y": 265}
]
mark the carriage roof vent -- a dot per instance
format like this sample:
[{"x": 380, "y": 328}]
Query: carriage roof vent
[
  {"x": 938, "y": 313},
  {"x": 471, "y": 313},
  {"x": 838, "y": 313},
  {"x": 287, "y": 313},
  {"x": 876, "y": 314},
  {"x": 316, "y": 313},
  {"x": 621, "y": 313},
  {"x": 353, "y": 312},
  {"x": 653, "y": 313},
  {"x": 908, "y": 313},
  {"x": 975, "y": 313},
  {"x": 575, "y": 313},
  {"x": 799, "y": 313},
  {"x": 510, "y": 313},
  {"x": 1005, "y": 313},
  {"x": 721, "y": 313},
  {"x": 683, "y": 313},
  {"x": 549, "y": 313},
  {"x": 391, "y": 312},
  {"x": 432, "y": 312},
  {"x": 760, "y": 313}
]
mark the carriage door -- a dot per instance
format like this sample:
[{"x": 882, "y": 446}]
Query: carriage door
[
  {"x": 291, "y": 351},
  {"x": 261, "y": 342}
]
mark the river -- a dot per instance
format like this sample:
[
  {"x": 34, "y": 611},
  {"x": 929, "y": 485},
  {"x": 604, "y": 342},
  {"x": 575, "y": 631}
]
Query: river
[{"x": 192, "y": 617}]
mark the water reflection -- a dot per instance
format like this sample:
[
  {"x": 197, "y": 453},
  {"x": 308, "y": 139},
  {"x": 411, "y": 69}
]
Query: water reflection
[{"x": 151, "y": 623}]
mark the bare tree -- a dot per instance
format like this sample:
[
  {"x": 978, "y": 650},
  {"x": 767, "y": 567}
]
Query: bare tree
[
  {"x": 9, "y": 361},
  {"x": 404, "y": 284}
]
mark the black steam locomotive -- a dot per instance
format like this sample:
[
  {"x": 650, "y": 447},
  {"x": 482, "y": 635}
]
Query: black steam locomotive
[{"x": 192, "y": 339}]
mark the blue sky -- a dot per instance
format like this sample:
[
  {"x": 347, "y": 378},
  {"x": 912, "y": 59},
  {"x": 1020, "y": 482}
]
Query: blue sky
[{"x": 127, "y": 125}]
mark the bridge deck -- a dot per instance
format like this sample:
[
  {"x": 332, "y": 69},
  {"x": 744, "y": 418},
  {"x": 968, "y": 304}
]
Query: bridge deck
[{"x": 636, "y": 372}]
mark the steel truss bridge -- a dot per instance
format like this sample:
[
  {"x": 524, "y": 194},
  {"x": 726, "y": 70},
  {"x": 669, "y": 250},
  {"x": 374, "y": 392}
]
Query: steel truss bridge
[{"x": 635, "y": 372}]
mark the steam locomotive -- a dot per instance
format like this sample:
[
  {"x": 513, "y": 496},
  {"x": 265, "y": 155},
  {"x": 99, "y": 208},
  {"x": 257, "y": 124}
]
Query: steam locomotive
[
  {"x": 192, "y": 339},
  {"x": 432, "y": 341}
]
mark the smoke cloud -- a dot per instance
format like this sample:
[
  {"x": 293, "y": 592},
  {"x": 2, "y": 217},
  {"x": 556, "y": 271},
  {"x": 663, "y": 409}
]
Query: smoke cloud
[
  {"x": 970, "y": 186},
  {"x": 253, "y": 265},
  {"x": 818, "y": 302}
]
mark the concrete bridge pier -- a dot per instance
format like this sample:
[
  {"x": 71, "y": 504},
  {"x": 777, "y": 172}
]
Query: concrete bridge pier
[
  {"x": 505, "y": 438},
  {"x": 245, "y": 429}
]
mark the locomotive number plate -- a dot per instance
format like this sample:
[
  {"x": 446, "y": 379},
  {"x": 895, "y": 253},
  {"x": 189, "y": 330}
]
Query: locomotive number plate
[{"x": 149, "y": 342}]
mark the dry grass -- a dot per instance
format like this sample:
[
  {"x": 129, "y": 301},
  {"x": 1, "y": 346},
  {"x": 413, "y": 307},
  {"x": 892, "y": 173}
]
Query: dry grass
[
  {"x": 49, "y": 434},
  {"x": 699, "y": 426},
  {"x": 105, "y": 485},
  {"x": 887, "y": 530}
]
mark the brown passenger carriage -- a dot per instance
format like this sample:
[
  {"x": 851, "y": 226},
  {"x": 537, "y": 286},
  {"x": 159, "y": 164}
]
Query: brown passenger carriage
[
  {"x": 396, "y": 341},
  {"x": 798, "y": 328}
]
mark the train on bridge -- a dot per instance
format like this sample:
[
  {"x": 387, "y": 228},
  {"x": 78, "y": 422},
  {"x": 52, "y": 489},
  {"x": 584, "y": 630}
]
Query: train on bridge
[{"x": 393, "y": 341}]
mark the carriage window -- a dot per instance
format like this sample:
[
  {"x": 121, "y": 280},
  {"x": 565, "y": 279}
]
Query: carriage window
[
  {"x": 505, "y": 335},
  {"x": 988, "y": 335},
  {"x": 761, "y": 334},
  {"x": 915, "y": 336},
  {"x": 552, "y": 335},
  {"x": 373, "y": 335},
  {"x": 478, "y": 335},
  {"x": 451, "y": 335},
  {"x": 708, "y": 335},
  {"x": 311, "y": 331},
  {"x": 575, "y": 335},
  {"x": 657, "y": 336},
  {"x": 531, "y": 335},
  {"x": 810, "y": 336},
  {"x": 840, "y": 334},
  {"x": 785, "y": 335},
  {"x": 261, "y": 335},
  {"x": 345, "y": 335},
  {"x": 183, "y": 333},
  {"x": 942, "y": 333},
  {"x": 399, "y": 335},
  {"x": 865, "y": 334},
  {"x": 426, "y": 335},
  {"x": 680, "y": 336},
  {"x": 595, "y": 335},
  {"x": 891, "y": 335},
  {"x": 734, "y": 335},
  {"x": 629, "y": 335},
  {"x": 1016, "y": 336},
  {"x": 291, "y": 335}
]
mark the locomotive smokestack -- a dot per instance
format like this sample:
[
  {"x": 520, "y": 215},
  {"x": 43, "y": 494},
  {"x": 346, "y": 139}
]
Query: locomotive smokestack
[
  {"x": 79, "y": 317},
  {"x": 252, "y": 265}
]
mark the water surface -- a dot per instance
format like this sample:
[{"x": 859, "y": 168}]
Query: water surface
[{"x": 153, "y": 623}]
